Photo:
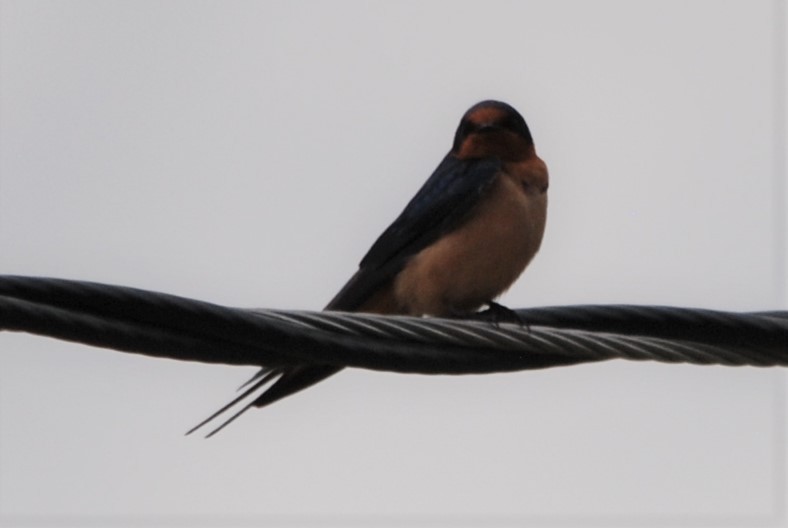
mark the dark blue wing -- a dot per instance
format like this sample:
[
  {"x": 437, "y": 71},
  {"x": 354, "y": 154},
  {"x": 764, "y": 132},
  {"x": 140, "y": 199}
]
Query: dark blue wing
[{"x": 442, "y": 204}]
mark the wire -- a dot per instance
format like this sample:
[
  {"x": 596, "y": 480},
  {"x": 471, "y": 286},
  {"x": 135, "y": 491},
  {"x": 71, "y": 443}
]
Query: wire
[{"x": 162, "y": 325}]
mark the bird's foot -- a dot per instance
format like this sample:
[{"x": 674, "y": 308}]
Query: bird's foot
[{"x": 498, "y": 313}]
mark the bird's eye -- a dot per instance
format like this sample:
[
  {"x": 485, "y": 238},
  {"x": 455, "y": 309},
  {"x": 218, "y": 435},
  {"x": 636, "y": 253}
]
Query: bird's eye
[
  {"x": 468, "y": 128},
  {"x": 508, "y": 123}
]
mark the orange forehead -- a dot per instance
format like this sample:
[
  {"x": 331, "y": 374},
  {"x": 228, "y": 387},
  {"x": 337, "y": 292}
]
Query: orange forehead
[{"x": 487, "y": 114}]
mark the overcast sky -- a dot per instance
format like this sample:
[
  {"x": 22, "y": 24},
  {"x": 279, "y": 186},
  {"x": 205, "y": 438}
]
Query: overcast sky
[{"x": 248, "y": 153}]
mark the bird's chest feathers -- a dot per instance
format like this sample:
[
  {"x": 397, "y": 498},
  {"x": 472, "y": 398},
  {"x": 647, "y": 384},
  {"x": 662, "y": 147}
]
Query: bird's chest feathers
[{"x": 482, "y": 258}]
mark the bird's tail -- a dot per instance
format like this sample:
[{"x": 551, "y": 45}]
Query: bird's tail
[
  {"x": 285, "y": 382},
  {"x": 366, "y": 291}
]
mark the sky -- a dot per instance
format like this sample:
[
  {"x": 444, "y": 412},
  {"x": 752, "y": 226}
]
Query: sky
[{"x": 248, "y": 154}]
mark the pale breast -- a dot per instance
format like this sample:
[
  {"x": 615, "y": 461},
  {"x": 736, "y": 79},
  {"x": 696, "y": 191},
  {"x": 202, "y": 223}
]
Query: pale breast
[{"x": 482, "y": 258}]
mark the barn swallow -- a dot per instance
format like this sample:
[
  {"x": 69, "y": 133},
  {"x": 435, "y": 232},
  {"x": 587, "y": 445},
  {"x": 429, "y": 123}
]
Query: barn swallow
[{"x": 462, "y": 240}]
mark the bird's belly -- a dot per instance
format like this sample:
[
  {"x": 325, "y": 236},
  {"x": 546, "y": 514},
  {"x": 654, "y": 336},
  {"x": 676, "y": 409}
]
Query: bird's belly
[{"x": 481, "y": 259}]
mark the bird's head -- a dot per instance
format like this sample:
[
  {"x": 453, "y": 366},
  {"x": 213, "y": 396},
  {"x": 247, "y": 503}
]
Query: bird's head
[{"x": 493, "y": 129}]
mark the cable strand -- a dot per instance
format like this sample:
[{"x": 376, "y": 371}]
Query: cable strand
[{"x": 162, "y": 325}]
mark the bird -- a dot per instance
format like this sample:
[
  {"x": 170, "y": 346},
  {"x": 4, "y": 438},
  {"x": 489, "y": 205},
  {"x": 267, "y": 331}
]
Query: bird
[{"x": 461, "y": 241}]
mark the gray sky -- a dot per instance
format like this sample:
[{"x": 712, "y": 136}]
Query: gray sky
[{"x": 248, "y": 153}]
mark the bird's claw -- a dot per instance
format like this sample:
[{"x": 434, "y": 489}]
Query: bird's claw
[{"x": 498, "y": 313}]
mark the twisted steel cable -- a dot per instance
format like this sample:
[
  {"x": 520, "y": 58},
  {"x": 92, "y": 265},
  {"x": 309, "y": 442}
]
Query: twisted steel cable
[{"x": 163, "y": 325}]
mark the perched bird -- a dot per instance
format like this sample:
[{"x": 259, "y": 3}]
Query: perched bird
[{"x": 460, "y": 242}]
